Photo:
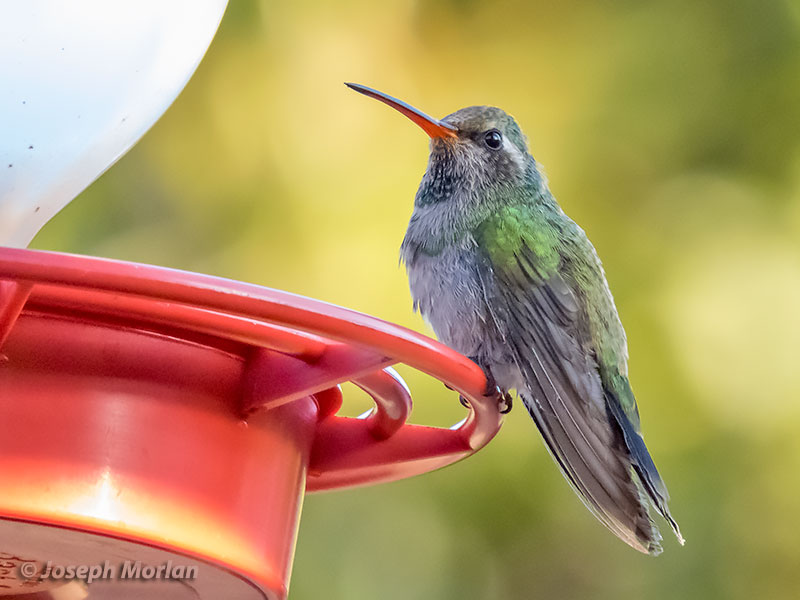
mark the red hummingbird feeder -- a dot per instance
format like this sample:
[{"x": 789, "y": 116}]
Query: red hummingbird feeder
[
  {"x": 159, "y": 429},
  {"x": 177, "y": 420}
]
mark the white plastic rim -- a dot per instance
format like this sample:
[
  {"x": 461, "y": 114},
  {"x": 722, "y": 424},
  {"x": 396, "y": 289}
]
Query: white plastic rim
[{"x": 80, "y": 83}]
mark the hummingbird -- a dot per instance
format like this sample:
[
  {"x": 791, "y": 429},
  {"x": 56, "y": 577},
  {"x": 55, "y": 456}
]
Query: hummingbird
[{"x": 505, "y": 277}]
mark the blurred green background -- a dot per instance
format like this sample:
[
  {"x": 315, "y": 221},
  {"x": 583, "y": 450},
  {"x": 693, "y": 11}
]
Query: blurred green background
[{"x": 670, "y": 131}]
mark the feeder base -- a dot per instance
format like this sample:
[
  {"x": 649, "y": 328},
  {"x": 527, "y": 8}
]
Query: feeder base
[{"x": 129, "y": 570}]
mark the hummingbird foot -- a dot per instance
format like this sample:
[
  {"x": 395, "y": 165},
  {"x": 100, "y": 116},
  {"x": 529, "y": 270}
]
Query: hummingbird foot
[
  {"x": 503, "y": 399},
  {"x": 504, "y": 402},
  {"x": 465, "y": 403},
  {"x": 493, "y": 391}
]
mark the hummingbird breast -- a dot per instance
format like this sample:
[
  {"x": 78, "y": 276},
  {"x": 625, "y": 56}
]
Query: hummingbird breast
[{"x": 448, "y": 293}]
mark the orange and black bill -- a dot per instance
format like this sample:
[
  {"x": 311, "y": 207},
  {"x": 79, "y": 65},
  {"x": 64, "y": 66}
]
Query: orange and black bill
[{"x": 433, "y": 127}]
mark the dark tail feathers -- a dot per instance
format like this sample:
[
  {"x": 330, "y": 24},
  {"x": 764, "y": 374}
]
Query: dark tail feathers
[{"x": 643, "y": 465}]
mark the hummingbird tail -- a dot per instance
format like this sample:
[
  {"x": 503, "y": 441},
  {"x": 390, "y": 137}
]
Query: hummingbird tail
[
  {"x": 595, "y": 461},
  {"x": 644, "y": 466}
]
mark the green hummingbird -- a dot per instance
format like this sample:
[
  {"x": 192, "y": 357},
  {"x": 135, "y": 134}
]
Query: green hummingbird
[{"x": 503, "y": 276}]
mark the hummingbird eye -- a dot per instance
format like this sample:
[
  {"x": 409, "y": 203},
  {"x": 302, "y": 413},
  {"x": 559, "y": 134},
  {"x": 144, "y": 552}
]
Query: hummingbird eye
[{"x": 493, "y": 139}]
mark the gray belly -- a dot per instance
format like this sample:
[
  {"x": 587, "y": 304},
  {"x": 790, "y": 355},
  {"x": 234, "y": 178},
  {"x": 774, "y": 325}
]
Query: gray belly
[{"x": 448, "y": 292}]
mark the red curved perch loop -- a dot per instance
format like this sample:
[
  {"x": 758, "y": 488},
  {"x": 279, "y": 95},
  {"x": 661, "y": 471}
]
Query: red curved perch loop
[{"x": 267, "y": 317}]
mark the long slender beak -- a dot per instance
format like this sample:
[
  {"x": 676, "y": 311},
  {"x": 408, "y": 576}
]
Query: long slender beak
[{"x": 433, "y": 127}]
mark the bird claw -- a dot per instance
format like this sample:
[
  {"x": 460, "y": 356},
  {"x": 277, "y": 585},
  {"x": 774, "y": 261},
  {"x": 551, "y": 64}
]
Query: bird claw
[
  {"x": 493, "y": 391},
  {"x": 504, "y": 401}
]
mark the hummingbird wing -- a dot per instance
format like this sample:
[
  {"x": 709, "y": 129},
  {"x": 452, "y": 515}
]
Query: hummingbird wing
[{"x": 585, "y": 428}]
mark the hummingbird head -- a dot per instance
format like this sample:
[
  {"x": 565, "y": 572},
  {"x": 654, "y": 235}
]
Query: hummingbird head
[{"x": 479, "y": 155}]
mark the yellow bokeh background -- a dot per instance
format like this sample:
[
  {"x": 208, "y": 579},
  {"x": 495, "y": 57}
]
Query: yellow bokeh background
[{"x": 670, "y": 132}]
